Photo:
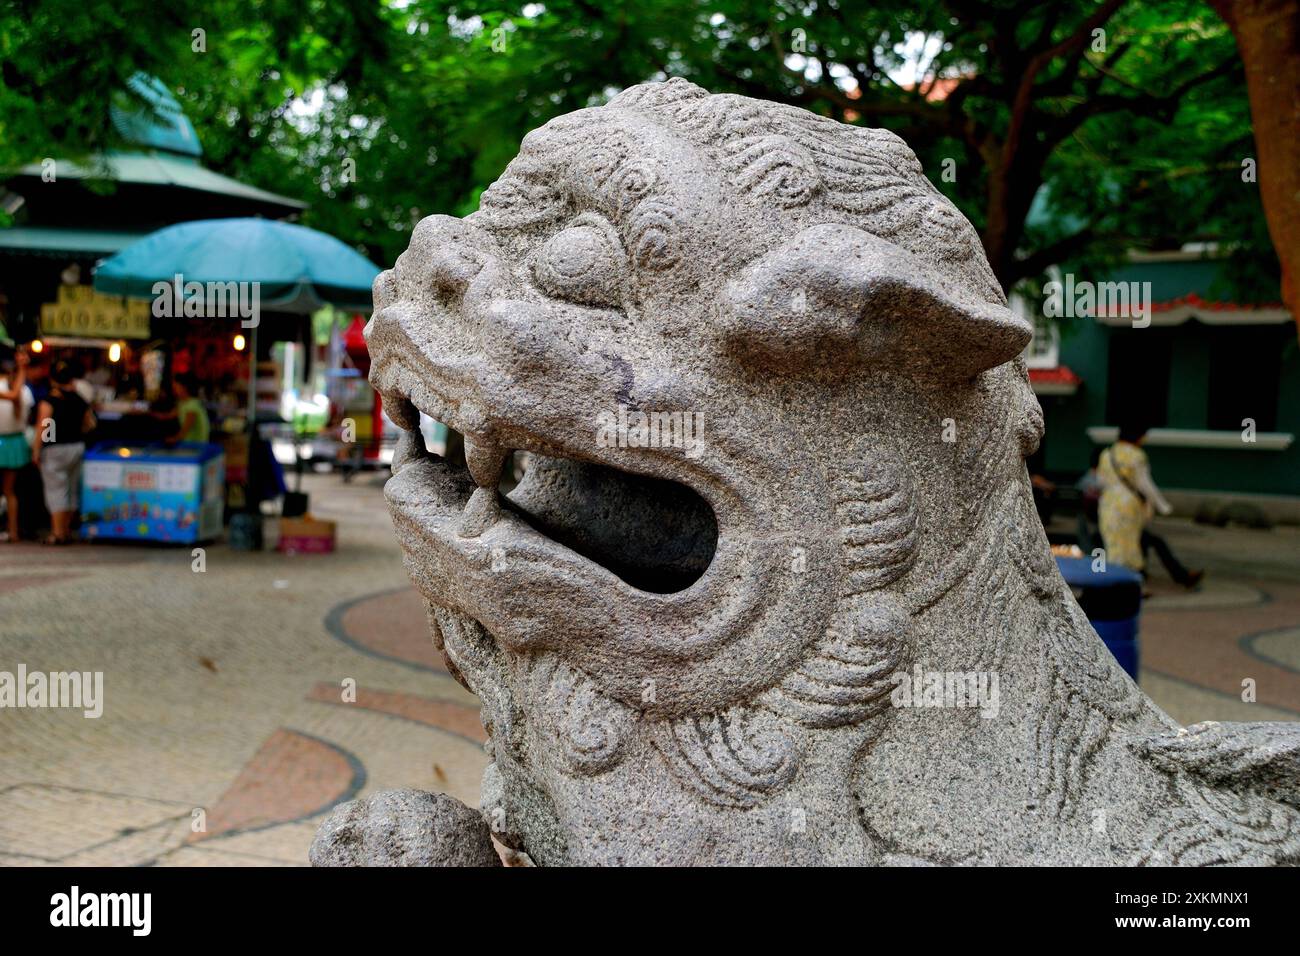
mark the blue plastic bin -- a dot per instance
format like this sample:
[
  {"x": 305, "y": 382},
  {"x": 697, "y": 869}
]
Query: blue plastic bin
[{"x": 1112, "y": 599}]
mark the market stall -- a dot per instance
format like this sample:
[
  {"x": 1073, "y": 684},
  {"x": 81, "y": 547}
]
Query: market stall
[{"x": 253, "y": 282}]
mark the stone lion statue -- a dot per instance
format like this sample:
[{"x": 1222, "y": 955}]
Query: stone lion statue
[{"x": 772, "y": 589}]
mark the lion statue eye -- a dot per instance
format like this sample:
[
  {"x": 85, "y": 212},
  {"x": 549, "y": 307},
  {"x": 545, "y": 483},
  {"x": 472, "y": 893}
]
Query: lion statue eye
[{"x": 584, "y": 263}]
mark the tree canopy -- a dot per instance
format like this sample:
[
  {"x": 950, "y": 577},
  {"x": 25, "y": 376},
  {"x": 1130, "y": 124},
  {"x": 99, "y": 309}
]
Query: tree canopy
[{"x": 1067, "y": 132}]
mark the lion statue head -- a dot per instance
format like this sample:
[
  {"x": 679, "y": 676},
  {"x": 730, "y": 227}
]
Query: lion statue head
[{"x": 775, "y": 424}]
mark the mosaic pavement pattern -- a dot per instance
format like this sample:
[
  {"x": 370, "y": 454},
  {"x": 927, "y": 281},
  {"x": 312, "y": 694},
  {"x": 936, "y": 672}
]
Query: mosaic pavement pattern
[{"x": 241, "y": 703}]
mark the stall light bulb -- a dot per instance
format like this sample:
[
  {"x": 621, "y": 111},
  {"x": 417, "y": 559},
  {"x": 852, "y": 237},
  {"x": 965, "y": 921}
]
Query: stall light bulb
[
  {"x": 239, "y": 343},
  {"x": 114, "y": 352},
  {"x": 38, "y": 345}
]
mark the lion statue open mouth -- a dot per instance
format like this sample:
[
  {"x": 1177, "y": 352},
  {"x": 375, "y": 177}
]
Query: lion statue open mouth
[{"x": 775, "y": 423}]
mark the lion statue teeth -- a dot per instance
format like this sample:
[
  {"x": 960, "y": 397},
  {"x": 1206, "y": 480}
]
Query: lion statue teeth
[{"x": 770, "y": 588}]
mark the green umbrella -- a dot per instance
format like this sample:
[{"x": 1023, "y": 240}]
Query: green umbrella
[{"x": 297, "y": 269}]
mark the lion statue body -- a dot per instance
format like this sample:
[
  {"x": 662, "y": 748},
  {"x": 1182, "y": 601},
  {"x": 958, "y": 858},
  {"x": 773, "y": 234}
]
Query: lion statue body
[{"x": 771, "y": 589}]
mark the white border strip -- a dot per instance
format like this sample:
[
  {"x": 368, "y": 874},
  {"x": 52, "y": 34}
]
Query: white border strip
[
  {"x": 1182, "y": 313},
  {"x": 1198, "y": 438}
]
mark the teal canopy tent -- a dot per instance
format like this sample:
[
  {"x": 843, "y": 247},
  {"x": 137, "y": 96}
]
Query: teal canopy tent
[{"x": 297, "y": 269}]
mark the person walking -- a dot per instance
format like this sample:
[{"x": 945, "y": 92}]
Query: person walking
[
  {"x": 15, "y": 406},
  {"x": 1129, "y": 500},
  {"x": 62, "y": 420}
]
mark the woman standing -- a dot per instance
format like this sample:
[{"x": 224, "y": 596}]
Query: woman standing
[
  {"x": 1129, "y": 499},
  {"x": 15, "y": 406},
  {"x": 62, "y": 420},
  {"x": 187, "y": 418}
]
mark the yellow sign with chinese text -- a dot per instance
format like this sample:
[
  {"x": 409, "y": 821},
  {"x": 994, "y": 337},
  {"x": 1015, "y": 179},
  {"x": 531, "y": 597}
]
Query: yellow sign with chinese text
[{"x": 80, "y": 310}]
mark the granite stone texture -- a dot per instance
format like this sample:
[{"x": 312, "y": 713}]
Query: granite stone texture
[
  {"x": 403, "y": 828},
  {"x": 771, "y": 589}
]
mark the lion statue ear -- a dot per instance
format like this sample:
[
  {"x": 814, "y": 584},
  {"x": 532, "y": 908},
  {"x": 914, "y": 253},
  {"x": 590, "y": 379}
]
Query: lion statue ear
[{"x": 836, "y": 296}]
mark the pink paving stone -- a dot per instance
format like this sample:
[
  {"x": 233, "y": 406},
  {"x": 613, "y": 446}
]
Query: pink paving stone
[
  {"x": 394, "y": 625},
  {"x": 291, "y": 777},
  {"x": 443, "y": 714},
  {"x": 1203, "y": 646}
]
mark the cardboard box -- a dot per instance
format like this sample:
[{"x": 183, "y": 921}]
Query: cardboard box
[{"x": 306, "y": 535}]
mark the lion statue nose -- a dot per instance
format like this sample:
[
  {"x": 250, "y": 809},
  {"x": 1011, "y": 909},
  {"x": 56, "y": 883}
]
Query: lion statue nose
[
  {"x": 452, "y": 266},
  {"x": 443, "y": 258}
]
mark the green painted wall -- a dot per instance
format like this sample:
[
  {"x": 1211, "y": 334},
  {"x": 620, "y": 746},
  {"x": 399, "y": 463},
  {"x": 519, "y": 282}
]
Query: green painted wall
[
  {"x": 1189, "y": 377},
  {"x": 1085, "y": 347}
]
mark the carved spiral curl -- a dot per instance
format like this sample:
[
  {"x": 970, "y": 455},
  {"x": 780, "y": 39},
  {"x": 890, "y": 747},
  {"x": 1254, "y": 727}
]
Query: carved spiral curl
[
  {"x": 775, "y": 168},
  {"x": 878, "y": 524},
  {"x": 848, "y": 677},
  {"x": 656, "y": 236},
  {"x": 589, "y": 729},
  {"x": 1221, "y": 828},
  {"x": 734, "y": 759}
]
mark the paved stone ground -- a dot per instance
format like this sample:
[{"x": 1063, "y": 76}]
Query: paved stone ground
[
  {"x": 225, "y": 735},
  {"x": 1198, "y": 649}
]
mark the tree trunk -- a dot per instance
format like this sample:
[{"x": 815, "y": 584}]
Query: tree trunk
[
  {"x": 1268, "y": 37},
  {"x": 1011, "y": 191}
]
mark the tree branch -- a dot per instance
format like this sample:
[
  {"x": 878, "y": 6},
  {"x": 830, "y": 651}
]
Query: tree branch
[
  {"x": 1159, "y": 103},
  {"x": 1020, "y": 106}
]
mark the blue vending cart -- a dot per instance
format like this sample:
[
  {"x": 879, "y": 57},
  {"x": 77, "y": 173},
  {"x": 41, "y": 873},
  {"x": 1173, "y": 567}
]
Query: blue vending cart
[
  {"x": 1112, "y": 599},
  {"x": 153, "y": 492}
]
